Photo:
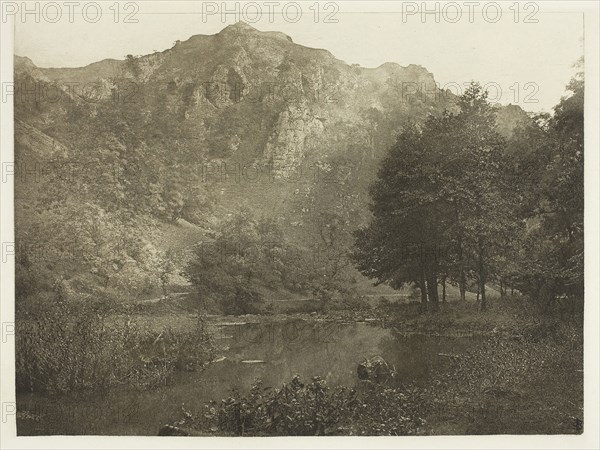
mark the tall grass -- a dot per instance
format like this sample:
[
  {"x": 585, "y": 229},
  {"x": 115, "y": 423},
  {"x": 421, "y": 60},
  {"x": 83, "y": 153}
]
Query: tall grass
[{"x": 69, "y": 347}]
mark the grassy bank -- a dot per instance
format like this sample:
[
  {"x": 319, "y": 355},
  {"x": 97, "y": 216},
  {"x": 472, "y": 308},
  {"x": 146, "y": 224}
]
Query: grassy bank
[
  {"x": 78, "y": 347},
  {"x": 522, "y": 374},
  {"x": 524, "y": 377},
  {"x": 524, "y": 385}
]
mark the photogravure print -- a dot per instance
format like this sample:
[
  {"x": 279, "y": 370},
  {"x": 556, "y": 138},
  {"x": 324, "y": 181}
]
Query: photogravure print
[{"x": 284, "y": 219}]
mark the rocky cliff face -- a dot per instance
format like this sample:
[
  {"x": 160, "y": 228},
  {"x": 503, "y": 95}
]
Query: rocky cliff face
[{"x": 242, "y": 98}]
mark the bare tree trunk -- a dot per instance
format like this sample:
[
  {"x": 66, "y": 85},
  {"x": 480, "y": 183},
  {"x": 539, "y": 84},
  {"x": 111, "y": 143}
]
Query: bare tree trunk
[
  {"x": 483, "y": 300},
  {"x": 422, "y": 286},
  {"x": 444, "y": 289},
  {"x": 462, "y": 279},
  {"x": 432, "y": 288},
  {"x": 482, "y": 276},
  {"x": 423, "y": 289},
  {"x": 422, "y": 277}
]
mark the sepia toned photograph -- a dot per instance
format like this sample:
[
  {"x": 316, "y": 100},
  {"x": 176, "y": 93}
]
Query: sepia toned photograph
[{"x": 280, "y": 219}]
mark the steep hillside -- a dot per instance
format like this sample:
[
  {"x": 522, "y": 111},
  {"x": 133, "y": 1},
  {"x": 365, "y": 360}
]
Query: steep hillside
[{"x": 240, "y": 118}]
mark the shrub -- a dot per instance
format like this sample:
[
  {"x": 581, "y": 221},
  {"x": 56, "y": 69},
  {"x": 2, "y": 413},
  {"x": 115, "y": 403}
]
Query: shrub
[
  {"x": 155, "y": 359},
  {"x": 299, "y": 409},
  {"x": 507, "y": 383},
  {"x": 68, "y": 347},
  {"x": 241, "y": 300},
  {"x": 384, "y": 303},
  {"x": 352, "y": 302}
]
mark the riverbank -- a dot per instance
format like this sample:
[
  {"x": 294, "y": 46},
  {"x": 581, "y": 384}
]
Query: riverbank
[
  {"x": 489, "y": 386},
  {"x": 466, "y": 372},
  {"x": 509, "y": 317}
]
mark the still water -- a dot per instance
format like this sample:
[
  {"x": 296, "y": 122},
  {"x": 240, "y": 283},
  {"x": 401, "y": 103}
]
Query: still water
[{"x": 274, "y": 352}]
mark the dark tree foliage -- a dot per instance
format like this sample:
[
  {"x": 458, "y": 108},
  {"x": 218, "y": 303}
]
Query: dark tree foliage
[
  {"x": 247, "y": 256},
  {"x": 455, "y": 200},
  {"x": 550, "y": 264}
]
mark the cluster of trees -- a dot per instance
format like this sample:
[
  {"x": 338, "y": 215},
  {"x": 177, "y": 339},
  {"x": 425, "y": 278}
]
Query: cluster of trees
[
  {"x": 247, "y": 256},
  {"x": 456, "y": 201},
  {"x": 87, "y": 218},
  {"x": 550, "y": 263}
]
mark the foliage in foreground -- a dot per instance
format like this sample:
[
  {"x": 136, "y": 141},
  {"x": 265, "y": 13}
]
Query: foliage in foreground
[
  {"x": 312, "y": 409},
  {"x": 527, "y": 384},
  {"x": 75, "y": 347},
  {"x": 530, "y": 384}
]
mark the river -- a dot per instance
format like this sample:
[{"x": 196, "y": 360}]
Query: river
[{"x": 274, "y": 352}]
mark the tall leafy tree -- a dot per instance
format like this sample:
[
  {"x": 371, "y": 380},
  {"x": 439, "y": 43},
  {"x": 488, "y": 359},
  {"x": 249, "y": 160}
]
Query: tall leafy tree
[
  {"x": 551, "y": 260},
  {"x": 441, "y": 187},
  {"x": 400, "y": 244},
  {"x": 479, "y": 193}
]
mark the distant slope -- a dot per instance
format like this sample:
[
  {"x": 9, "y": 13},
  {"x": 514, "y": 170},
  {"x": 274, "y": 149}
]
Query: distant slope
[{"x": 239, "y": 118}]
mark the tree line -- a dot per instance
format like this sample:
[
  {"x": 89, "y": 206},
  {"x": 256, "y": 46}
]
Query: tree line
[{"x": 506, "y": 211}]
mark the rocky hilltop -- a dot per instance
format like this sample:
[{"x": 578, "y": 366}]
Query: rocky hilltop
[{"x": 239, "y": 118}]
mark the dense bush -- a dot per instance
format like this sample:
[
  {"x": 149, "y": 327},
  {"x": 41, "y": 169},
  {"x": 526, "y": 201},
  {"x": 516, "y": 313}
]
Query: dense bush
[
  {"x": 502, "y": 385},
  {"x": 240, "y": 300},
  {"x": 67, "y": 347},
  {"x": 351, "y": 302},
  {"x": 244, "y": 255},
  {"x": 313, "y": 409}
]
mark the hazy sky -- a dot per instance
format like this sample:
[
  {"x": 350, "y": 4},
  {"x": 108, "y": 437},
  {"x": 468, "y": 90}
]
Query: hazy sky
[{"x": 519, "y": 59}]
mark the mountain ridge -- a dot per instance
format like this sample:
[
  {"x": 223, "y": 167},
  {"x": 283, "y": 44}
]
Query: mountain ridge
[
  {"x": 239, "y": 28},
  {"x": 238, "y": 120}
]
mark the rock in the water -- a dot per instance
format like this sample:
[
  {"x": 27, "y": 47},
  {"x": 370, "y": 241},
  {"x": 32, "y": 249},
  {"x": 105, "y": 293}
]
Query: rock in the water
[
  {"x": 363, "y": 372},
  {"x": 376, "y": 370}
]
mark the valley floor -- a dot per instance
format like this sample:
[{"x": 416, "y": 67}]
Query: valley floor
[{"x": 457, "y": 371}]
